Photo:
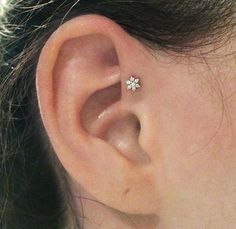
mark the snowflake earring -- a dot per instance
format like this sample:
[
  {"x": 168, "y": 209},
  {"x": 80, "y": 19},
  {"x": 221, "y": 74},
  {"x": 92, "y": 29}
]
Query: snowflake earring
[{"x": 133, "y": 84}]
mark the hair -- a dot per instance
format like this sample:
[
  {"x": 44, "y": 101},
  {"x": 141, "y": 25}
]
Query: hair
[{"x": 34, "y": 187}]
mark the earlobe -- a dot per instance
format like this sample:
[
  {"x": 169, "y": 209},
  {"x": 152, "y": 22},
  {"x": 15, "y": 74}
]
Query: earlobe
[{"x": 89, "y": 115}]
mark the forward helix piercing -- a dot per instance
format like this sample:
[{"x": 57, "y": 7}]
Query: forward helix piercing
[{"x": 133, "y": 84}]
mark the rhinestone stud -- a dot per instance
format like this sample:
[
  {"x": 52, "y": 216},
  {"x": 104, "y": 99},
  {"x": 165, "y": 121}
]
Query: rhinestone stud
[{"x": 133, "y": 84}]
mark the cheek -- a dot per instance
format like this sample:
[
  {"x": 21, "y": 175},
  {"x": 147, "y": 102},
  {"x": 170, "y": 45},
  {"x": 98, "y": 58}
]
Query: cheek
[{"x": 188, "y": 121}]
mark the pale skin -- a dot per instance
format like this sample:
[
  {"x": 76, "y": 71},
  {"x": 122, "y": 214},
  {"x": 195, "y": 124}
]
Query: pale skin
[{"x": 161, "y": 157}]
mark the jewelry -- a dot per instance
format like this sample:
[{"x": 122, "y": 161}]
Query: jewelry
[{"x": 133, "y": 84}]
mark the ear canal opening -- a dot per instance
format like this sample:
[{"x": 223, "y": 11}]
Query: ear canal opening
[
  {"x": 123, "y": 134},
  {"x": 98, "y": 102},
  {"x": 138, "y": 126}
]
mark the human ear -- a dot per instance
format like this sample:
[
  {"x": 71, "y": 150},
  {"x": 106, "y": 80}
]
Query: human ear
[{"x": 94, "y": 123}]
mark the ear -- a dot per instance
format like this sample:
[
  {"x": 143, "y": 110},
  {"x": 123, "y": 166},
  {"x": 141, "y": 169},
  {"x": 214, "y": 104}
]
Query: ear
[{"x": 93, "y": 122}]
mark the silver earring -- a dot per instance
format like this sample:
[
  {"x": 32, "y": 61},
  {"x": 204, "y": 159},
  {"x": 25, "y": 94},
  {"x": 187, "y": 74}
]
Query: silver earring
[{"x": 133, "y": 84}]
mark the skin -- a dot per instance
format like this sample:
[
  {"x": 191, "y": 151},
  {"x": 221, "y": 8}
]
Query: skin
[{"x": 178, "y": 169}]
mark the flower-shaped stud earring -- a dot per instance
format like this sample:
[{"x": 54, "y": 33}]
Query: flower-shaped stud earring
[{"x": 133, "y": 84}]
